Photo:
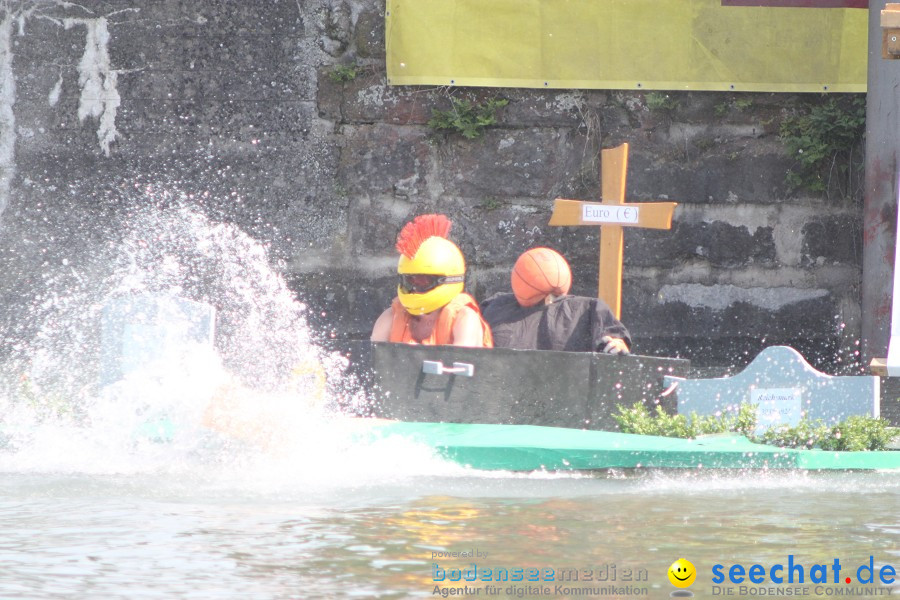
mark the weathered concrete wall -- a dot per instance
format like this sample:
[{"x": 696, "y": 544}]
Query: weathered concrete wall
[{"x": 234, "y": 106}]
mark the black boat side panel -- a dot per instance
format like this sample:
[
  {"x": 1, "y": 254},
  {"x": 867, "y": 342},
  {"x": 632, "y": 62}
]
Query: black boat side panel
[{"x": 522, "y": 387}]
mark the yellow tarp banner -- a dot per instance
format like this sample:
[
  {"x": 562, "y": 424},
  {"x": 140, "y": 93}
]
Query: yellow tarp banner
[{"x": 626, "y": 44}]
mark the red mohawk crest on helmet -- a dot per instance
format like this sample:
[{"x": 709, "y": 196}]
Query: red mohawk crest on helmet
[{"x": 420, "y": 229}]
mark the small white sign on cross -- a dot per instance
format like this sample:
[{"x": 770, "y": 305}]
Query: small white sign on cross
[{"x": 598, "y": 213}]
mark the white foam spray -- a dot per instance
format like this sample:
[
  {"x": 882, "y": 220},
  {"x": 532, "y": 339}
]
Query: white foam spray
[{"x": 283, "y": 427}]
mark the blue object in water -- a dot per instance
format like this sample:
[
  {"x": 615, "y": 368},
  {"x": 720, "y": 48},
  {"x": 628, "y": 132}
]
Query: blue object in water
[{"x": 137, "y": 330}]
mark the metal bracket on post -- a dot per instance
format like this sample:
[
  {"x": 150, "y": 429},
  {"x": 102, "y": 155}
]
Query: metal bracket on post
[{"x": 436, "y": 367}]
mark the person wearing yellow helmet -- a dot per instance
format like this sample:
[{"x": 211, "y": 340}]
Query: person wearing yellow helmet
[{"x": 431, "y": 307}]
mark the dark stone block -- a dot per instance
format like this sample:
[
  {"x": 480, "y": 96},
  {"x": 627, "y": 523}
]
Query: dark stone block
[
  {"x": 495, "y": 237},
  {"x": 49, "y": 44},
  {"x": 767, "y": 317},
  {"x": 368, "y": 99},
  {"x": 718, "y": 179},
  {"x": 694, "y": 107},
  {"x": 734, "y": 335},
  {"x": 484, "y": 283},
  {"x": 832, "y": 239},
  {"x": 309, "y": 224},
  {"x": 329, "y": 95},
  {"x": 247, "y": 185},
  {"x": 719, "y": 243},
  {"x": 373, "y": 229},
  {"x": 134, "y": 47},
  {"x": 730, "y": 107},
  {"x": 518, "y": 163},
  {"x": 369, "y": 34},
  {"x": 213, "y": 16},
  {"x": 208, "y": 85},
  {"x": 541, "y": 108},
  {"x": 242, "y": 120},
  {"x": 616, "y": 120},
  {"x": 379, "y": 159}
]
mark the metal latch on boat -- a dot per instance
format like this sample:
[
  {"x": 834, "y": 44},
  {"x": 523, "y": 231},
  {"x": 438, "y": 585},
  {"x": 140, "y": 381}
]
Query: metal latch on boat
[{"x": 436, "y": 367}]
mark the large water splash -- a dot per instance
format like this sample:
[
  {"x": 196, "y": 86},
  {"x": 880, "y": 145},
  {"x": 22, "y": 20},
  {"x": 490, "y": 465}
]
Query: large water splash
[
  {"x": 167, "y": 252},
  {"x": 265, "y": 368}
]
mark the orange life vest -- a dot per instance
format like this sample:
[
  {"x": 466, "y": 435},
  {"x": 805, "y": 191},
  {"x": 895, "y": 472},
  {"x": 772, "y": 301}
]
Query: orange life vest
[{"x": 442, "y": 334}]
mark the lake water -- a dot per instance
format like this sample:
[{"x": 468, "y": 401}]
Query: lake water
[{"x": 376, "y": 522}]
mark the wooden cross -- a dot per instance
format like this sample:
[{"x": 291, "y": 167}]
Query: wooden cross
[{"x": 612, "y": 214}]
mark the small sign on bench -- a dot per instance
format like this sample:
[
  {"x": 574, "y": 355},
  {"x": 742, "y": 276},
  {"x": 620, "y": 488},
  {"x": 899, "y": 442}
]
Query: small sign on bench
[{"x": 785, "y": 388}]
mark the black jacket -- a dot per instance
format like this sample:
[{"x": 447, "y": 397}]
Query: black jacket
[{"x": 571, "y": 323}]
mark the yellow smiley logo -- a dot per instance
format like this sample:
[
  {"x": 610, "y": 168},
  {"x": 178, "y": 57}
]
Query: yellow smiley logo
[{"x": 682, "y": 573}]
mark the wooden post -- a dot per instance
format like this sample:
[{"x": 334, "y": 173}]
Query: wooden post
[{"x": 611, "y": 214}]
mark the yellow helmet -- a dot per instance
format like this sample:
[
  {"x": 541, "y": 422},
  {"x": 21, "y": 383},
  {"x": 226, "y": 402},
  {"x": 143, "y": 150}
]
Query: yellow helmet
[{"x": 432, "y": 277}]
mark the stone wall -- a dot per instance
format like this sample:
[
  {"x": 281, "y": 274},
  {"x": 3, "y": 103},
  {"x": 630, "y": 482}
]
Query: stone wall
[
  {"x": 747, "y": 264},
  {"x": 237, "y": 108}
]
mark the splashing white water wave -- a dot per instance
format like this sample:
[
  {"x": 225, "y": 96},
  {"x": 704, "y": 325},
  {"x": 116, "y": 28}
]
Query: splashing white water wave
[{"x": 283, "y": 425}]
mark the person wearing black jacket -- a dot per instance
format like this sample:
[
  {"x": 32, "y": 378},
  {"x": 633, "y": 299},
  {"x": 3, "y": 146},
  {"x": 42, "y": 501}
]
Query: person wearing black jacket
[{"x": 541, "y": 315}]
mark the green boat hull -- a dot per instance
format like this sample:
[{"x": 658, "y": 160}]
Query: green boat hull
[
  {"x": 534, "y": 447},
  {"x": 539, "y": 448}
]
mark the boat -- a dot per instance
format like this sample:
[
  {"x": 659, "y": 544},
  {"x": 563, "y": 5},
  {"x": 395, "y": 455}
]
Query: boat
[{"x": 528, "y": 410}]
